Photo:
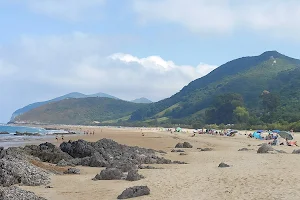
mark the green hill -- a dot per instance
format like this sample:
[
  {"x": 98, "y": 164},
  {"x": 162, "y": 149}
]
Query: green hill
[
  {"x": 247, "y": 76},
  {"x": 70, "y": 95},
  {"x": 141, "y": 100},
  {"x": 79, "y": 111}
]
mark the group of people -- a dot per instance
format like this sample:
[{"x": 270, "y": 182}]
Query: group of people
[
  {"x": 89, "y": 132},
  {"x": 57, "y": 138}
]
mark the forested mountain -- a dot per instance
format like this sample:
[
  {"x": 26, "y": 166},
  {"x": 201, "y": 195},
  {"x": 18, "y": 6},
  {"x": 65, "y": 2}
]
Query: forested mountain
[
  {"x": 247, "y": 77},
  {"x": 79, "y": 111},
  {"x": 141, "y": 100}
]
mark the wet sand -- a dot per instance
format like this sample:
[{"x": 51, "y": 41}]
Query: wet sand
[{"x": 251, "y": 175}]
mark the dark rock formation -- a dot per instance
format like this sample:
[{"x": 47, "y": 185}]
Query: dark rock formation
[
  {"x": 296, "y": 151},
  {"x": 183, "y": 154},
  {"x": 187, "y": 145},
  {"x": 15, "y": 193},
  {"x": 72, "y": 171},
  {"x": 177, "y": 150},
  {"x": 109, "y": 174},
  {"x": 179, "y": 145},
  {"x": 64, "y": 163},
  {"x": 244, "y": 149},
  {"x": 222, "y": 165},
  {"x": 265, "y": 148},
  {"x": 147, "y": 167},
  {"x": 16, "y": 171},
  {"x": 47, "y": 152},
  {"x": 133, "y": 175},
  {"x": 135, "y": 191},
  {"x": 205, "y": 149}
]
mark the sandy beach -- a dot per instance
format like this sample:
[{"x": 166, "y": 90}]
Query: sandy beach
[{"x": 251, "y": 175}]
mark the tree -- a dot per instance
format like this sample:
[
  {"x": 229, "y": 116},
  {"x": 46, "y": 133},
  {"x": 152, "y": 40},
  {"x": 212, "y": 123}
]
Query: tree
[
  {"x": 270, "y": 101},
  {"x": 241, "y": 115}
]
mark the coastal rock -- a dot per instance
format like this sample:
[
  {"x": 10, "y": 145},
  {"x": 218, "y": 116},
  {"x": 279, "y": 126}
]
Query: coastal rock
[
  {"x": 265, "y": 148},
  {"x": 15, "y": 193},
  {"x": 4, "y": 133},
  {"x": 179, "y": 162},
  {"x": 147, "y": 167},
  {"x": 135, "y": 191},
  {"x": 179, "y": 145},
  {"x": 97, "y": 160},
  {"x": 109, "y": 174},
  {"x": 77, "y": 149},
  {"x": 244, "y": 149},
  {"x": 187, "y": 145},
  {"x": 72, "y": 171},
  {"x": 296, "y": 151},
  {"x": 177, "y": 150},
  {"x": 183, "y": 154},
  {"x": 205, "y": 149},
  {"x": 222, "y": 165},
  {"x": 124, "y": 166},
  {"x": 47, "y": 152},
  {"x": 133, "y": 175},
  {"x": 64, "y": 163},
  {"x": 16, "y": 171}
]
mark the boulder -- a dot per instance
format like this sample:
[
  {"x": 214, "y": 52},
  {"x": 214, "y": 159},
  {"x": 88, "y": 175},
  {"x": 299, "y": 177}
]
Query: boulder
[
  {"x": 15, "y": 193},
  {"x": 135, "y": 191},
  {"x": 147, "y": 167},
  {"x": 97, "y": 160},
  {"x": 183, "y": 154},
  {"x": 222, "y": 165},
  {"x": 187, "y": 145},
  {"x": 47, "y": 152},
  {"x": 109, "y": 174},
  {"x": 205, "y": 149},
  {"x": 72, "y": 171},
  {"x": 133, "y": 175},
  {"x": 64, "y": 163},
  {"x": 179, "y": 162},
  {"x": 244, "y": 149},
  {"x": 179, "y": 145},
  {"x": 177, "y": 150},
  {"x": 265, "y": 148},
  {"x": 16, "y": 171},
  {"x": 296, "y": 151}
]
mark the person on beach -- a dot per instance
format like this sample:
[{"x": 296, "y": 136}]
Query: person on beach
[
  {"x": 62, "y": 137},
  {"x": 56, "y": 138},
  {"x": 93, "y": 132}
]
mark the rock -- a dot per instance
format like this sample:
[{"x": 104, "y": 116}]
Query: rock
[
  {"x": 205, "y": 149},
  {"x": 64, "y": 163},
  {"x": 17, "y": 171},
  {"x": 280, "y": 151},
  {"x": 222, "y": 165},
  {"x": 265, "y": 148},
  {"x": 244, "y": 149},
  {"x": 296, "y": 151},
  {"x": 97, "y": 160},
  {"x": 15, "y": 193},
  {"x": 47, "y": 152},
  {"x": 109, "y": 174},
  {"x": 75, "y": 161},
  {"x": 85, "y": 161},
  {"x": 162, "y": 152},
  {"x": 179, "y": 145},
  {"x": 179, "y": 162},
  {"x": 72, "y": 171},
  {"x": 183, "y": 154},
  {"x": 124, "y": 167},
  {"x": 187, "y": 145},
  {"x": 177, "y": 150},
  {"x": 4, "y": 133},
  {"x": 48, "y": 187},
  {"x": 147, "y": 167},
  {"x": 133, "y": 175},
  {"x": 135, "y": 191}
]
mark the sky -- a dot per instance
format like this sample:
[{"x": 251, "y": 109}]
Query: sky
[{"x": 131, "y": 48}]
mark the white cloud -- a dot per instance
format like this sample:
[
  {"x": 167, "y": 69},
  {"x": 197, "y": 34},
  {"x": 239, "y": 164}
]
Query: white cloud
[
  {"x": 84, "y": 63},
  {"x": 73, "y": 10},
  {"x": 270, "y": 17}
]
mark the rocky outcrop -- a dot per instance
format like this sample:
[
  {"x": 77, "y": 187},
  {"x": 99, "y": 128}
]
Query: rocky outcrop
[
  {"x": 296, "y": 151},
  {"x": 72, "y": 171},
  {"x": 133, "y": 175},
  {"x": 177, "y": 150},
  {"x": 20, "y": 171},
  {"x": 109, "y": 174},
  {"x": 64, "y": 163},
  {"x": 184, "y": 145},
  {"x": 47, "y": 152},
  {"x": 265, "y": 148},
  {"x": 244, "y": 149},
  {"x": 135, "y": 191},
  {"x": 15, "y": 193},
  {"x": 223, "y": 165}
]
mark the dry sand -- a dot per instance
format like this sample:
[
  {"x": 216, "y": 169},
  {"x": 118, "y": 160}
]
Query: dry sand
[{"x": 251, "y": 175}]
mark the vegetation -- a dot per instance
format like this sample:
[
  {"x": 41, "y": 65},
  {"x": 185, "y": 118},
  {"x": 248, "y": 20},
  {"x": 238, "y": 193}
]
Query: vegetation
[{"x": 80, "y": 111}]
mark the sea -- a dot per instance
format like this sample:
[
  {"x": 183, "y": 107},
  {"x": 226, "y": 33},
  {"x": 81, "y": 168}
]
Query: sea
[{"x": 7, "y": 140}]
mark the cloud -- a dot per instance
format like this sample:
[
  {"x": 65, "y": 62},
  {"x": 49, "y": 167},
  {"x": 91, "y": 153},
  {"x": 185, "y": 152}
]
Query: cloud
[
  {"x": 270, "y": 17},
  {"x": 73, "y": 10},
  {"x": 85, "y": 63}
]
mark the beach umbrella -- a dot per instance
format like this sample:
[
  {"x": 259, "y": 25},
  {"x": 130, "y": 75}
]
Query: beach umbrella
[
  {"x": 285, "y": 135},
  {"x": 259, "y": 131},
  {"x": 178, "y": 129}
]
